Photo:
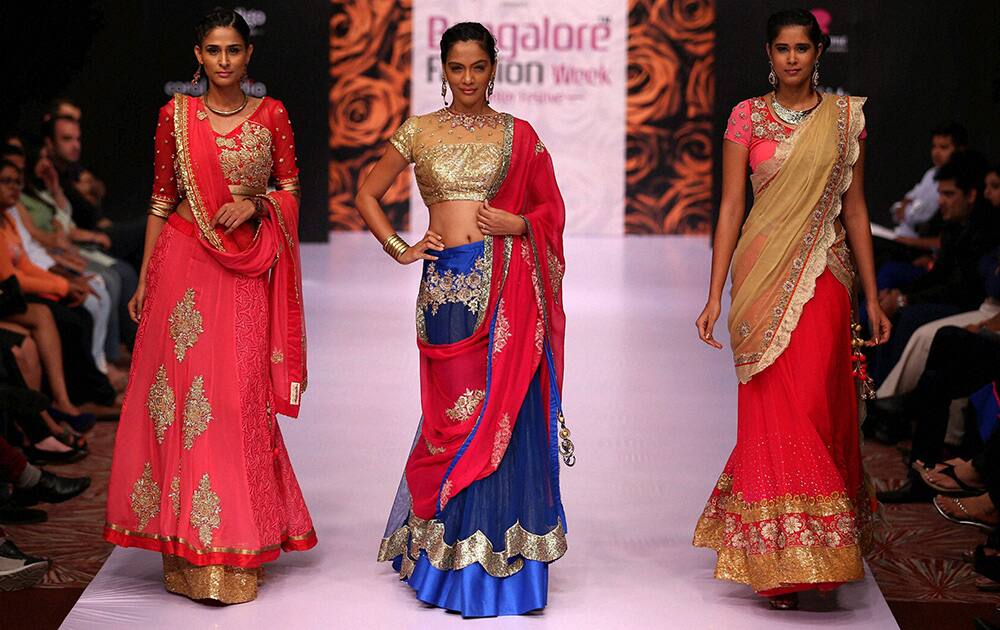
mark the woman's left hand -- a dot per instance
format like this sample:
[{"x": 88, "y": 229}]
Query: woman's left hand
[
  {"x": 234, "y": 214},
  {"x": 496, "y": 222},
  {"x": 880, "y": 325}
]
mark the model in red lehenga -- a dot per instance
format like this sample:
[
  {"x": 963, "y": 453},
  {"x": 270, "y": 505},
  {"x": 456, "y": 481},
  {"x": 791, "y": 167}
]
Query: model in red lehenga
[
  {"x": 790, "y": 511},
  {"x": 200, "y": 472}
]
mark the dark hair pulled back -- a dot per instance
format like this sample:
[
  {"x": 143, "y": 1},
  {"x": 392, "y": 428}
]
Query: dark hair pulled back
[
  {"x": 797, "y": 17},
  {"x": 222, "y": 18},
  {"x": 469, "y": 32}
]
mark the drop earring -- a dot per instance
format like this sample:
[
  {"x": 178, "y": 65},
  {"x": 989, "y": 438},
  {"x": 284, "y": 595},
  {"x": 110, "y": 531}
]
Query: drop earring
[
  {"x": 197, "y": 76},
  {"x": 772, "y": 78},
  {"x": 444, "y": 90},
  {"x": 816, "y": 74},
  {"x": 489, "y": 90}
]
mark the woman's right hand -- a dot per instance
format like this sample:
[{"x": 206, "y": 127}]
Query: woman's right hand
[
  {"x": 706, "y": 323},
  {"x": 418, "y": 251},
  {"x": 135, "y": 304}
]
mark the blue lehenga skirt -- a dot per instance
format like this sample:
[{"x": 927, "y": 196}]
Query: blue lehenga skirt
[{"x": 517, "y": 508}]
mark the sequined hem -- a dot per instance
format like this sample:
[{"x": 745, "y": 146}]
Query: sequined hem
[
  {"x": 428, "y": 536},
  {"x": 219, "y": 582},
  {"x": 793, "y": 539}
]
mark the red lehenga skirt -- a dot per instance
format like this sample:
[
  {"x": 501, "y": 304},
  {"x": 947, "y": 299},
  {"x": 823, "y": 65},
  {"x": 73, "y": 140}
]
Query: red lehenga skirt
[
  {"x": 200, "y": 471},
  {"x": 791, "y": 509}
]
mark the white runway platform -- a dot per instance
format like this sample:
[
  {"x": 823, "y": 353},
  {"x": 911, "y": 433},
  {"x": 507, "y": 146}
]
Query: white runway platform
[{"x": 653, "y": 414}]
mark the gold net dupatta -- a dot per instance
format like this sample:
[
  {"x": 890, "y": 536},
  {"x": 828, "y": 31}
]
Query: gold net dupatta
[{"x": 792, "y": 233}]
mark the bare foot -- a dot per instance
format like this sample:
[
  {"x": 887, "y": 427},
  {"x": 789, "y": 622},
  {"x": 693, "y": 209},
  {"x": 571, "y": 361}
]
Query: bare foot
[
  {"x": 979, "y": 508},
  {"x": 964, "y": 470}
]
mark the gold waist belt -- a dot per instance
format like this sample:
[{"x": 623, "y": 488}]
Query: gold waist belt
[{"x": 246, "y": 191}]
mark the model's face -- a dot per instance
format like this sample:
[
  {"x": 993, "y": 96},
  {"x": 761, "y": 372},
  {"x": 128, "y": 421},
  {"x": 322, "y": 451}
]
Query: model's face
[
  {"x": 992, "y": 192},
  {"x": 66, "y": 144},
  {"x": 468, "y": 71},
  {"x": 793, "y": 56},
  {"x": 954, "y": 203},
  {"x": 225, "y": 56},
  {"x": 942, "y": 148},
  {"x": 10, "y": 186}
]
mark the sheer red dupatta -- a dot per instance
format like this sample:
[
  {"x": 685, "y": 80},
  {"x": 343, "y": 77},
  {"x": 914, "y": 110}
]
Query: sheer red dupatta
[
  {"x": 472, "y": 390},
  {"x": 273, "y": 247}
]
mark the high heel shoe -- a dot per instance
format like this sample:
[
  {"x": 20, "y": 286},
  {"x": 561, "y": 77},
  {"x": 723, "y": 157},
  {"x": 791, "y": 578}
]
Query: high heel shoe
[
  {"x": 41, "y": 457},
  {"x": 789, "y": 601}
]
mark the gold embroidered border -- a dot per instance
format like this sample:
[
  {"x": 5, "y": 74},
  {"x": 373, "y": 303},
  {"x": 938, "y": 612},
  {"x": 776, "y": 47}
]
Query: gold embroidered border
[
  {"x": 507, "y": 150},
  {"x": 428, "y": 536},
  {"x": 187, "y": 172},
  {"x": 224, "y": 583},
  {"x": 206, "y": 550}
]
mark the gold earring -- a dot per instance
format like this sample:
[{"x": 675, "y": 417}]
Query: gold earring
[
  {"x": 772, "y": 78},
  {"x": 444, "y": 90},
  {"x": 197, "y": 76}
]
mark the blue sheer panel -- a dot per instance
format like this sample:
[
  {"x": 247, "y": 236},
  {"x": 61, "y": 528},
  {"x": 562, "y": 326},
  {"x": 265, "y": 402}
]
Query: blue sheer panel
[{"x": 453, "y": 321}]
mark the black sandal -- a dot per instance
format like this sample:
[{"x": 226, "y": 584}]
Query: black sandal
[{"x": 963, "y": 490}]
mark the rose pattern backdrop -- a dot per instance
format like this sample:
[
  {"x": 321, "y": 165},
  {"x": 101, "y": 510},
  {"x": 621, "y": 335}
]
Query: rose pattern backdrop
[{"x": 671, "y": 95}]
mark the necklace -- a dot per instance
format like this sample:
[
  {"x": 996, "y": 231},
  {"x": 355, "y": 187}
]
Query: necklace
[
  {"x": 223, "y": 112},
  {"x": 791, "y": 116},
  {"x": 469, "y": 122}
]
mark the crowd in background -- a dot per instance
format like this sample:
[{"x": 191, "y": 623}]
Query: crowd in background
[
  {"x": 938, "y": 272},
  {"x": 66, "y": 275}
]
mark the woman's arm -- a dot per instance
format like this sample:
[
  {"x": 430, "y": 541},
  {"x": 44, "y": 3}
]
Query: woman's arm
[
  {"x": 370, "y": 193},
  {"x": 735, "y": 157},
  {"x": 854, "y": 217}
]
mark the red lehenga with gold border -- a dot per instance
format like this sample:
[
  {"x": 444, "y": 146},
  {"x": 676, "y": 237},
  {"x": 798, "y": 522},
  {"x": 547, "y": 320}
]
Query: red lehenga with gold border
[
  {"x": 792, "y": 507},
  {"x": 200, "y": 471}
]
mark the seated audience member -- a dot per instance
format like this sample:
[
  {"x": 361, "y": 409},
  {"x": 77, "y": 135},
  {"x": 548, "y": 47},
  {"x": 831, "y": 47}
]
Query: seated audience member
[
  {"x": 63, "y": 146},
  {"x": 62, "y": 297},
  {"x": 98, "y": 299},
  {"x": 954, "y": 284},
  {"x": 960, "y": 362},
  {"x": 917, "y": 208},
  {"x": 910, "y": 365},
  {"x": 47, "y": 215},
  {"x": 31, "y": 486}
]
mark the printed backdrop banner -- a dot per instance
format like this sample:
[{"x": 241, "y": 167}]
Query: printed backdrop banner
[
  {"x": 562, "y": 68},
  {"x": 621, "y": 91}
]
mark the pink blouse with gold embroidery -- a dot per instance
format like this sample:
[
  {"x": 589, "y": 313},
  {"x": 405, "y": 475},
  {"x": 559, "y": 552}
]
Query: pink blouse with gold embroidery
[{"x": 752, "y": 124}]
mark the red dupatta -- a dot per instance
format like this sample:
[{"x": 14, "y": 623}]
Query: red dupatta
[
  {"x": 472, "y": 390},
  {"x": 273, "y": 247}
]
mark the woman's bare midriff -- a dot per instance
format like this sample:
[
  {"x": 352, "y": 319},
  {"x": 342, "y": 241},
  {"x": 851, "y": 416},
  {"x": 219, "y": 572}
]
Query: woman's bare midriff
[{"x": 456, "y": 222}]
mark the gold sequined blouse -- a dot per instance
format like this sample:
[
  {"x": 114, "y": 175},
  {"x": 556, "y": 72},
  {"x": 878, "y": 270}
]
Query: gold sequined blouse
[{"x": 455, "y": 157}]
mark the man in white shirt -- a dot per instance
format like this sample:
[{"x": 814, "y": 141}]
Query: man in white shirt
[{"x": 920, "y": 204}]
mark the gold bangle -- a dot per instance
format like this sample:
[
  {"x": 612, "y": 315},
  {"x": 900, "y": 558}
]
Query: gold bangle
[
  {"x": 159, "y": 212},
  {"x": 395, "y": 246}
]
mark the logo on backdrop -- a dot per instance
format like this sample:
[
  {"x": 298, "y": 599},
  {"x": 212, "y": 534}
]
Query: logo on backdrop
[
  {"x": 256, "y": 18},
  {"x": 838, "y": 43},
  {"x": 562, "y": 67},
  {"x": 252, "y": 88}
]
